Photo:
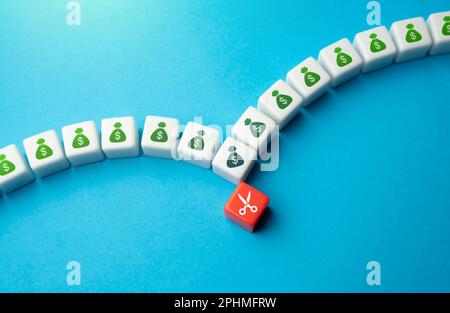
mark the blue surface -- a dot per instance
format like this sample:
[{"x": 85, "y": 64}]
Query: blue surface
[{"x": 364, "y": 172}]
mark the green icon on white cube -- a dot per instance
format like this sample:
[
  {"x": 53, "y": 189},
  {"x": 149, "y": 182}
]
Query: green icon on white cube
[
  {"x": 309, "y": 79},
  {"x": 198, "y": 144},
  {"x": 160, "y": 137},
  {"x": 14, "y": 170},
  {"x": 439, "y": 26},
  {"x": 81, "y": 143},
  {"x": 412, "y": 39},
  {"x": 234, "y": 160},
  {"x": 341, "y": 61},
  {"x": 45, "y": 153},
  {"x": 120, "y": 137},
  {"x": 280, "y": 102},
  {"x": 376, "y": 48},
  {"x": 254, "y": 128}
]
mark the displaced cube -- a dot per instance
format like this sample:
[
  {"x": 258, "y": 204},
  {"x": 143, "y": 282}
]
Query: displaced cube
[{"x": 246, "y": 206}]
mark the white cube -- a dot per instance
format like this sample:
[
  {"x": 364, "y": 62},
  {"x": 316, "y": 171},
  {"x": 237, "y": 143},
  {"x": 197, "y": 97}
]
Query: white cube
[
  {"x": 280, "y": 102},
  {"x": 309, "y": 79},
  {"x": 412, "y": 38},
  {"x": 160, "y": 137},
  {"x": 254, "y": 128},
  {"x": 45, "y": 153},
  {"x": 439, "y": 26},
  {"x": 376, "y": 48},
  {"x": 199, "y": 144},
  {"x": 234, "y": 160},
  {"x": 81, "y": 143},
  {"x": 120, "y": 137},
  {"x": 341, "y": 61},
  {"x": 14, "y": 171}
]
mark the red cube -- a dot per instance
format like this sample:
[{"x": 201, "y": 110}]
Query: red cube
[{"x": 246, "y": 206}]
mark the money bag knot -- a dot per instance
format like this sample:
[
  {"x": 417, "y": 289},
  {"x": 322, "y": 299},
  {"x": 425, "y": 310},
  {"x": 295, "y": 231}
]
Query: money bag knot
[
  {"x": 162, "y": 124},
  {"x": 373, "y": 36},
  {"x": 338, "y": 50},
  {"x": 40, "y": 141},
  {"x": 232, "y": 149},
  {"x": 410, "y": 26},
  {"x": 79, "y": 130},
  {"x": 447, "y": 19},
  {"x": 304, "y": 70},
  {"x": 248, "y": 121},
  {"x": 201, "y": 132},
  {"x": 275, "y": 93},
  {"x": 117, "y": 125}
]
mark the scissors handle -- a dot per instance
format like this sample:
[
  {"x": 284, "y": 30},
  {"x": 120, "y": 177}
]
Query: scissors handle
[{"x": 253, "y": 209}]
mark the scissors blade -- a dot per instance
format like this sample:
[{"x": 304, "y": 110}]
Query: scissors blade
[
  {"x": 242, "y": 199},
  {"x": 249, "y": 196}
]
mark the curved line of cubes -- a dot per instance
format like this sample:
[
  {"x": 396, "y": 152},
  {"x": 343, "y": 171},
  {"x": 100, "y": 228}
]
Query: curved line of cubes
[{"x": 339, "y": 62}]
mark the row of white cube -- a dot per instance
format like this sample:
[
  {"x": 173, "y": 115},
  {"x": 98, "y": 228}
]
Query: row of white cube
[
  {"x": 371, "y": 50},
  {"x": 120, "y": 139},
  {"x": 341, "y": 61}
]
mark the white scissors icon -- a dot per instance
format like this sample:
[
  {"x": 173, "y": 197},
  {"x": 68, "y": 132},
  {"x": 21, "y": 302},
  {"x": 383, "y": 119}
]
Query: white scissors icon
[{"x": 253, "y": 208}]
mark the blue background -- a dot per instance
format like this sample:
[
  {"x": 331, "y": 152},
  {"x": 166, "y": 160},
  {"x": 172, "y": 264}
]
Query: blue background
[{"x": 364, "y": 171}]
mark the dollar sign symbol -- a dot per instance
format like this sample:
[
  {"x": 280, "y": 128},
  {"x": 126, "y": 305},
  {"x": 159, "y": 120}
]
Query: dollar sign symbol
[
  {"x": 43, "y": 152},
  {"x": 311, "y": 78},
  {"x": 343, "y": 59},
  {"x": 5, "y": 167},
  {"x": 283, "y": 101},
  {"x": 377, "y": 46},
  {"x": 413, "y": 36},
  {"x": 159, "y": 135},
  {"x": 197, "y": 142},
  {"x": 117, "y": 136},
  {"x": 80, "y": 141},
  {"x": 234, "y": 160}
]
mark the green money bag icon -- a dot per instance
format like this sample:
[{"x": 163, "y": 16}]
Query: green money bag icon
[
  {"x": 160, "y": 134},
  {"x": 234, "y": 159},
  {"x": 283, "y": 101},
  {"x": 310, "y": 78},
  {"x": 197, "y": 143},
  {"x": 256, "y": 128},
  {"x": 43, "y": 151},
  {"x": 412, "y": 35},
  {"x": 80, "y": 140},
  {"x": 342, "y": 58},
  {"x": 6, "y": 166},
  {"x": 376, "y": 44},
  {"x": 117, "y": 134},
  {"x": 446, "y": 27}
]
